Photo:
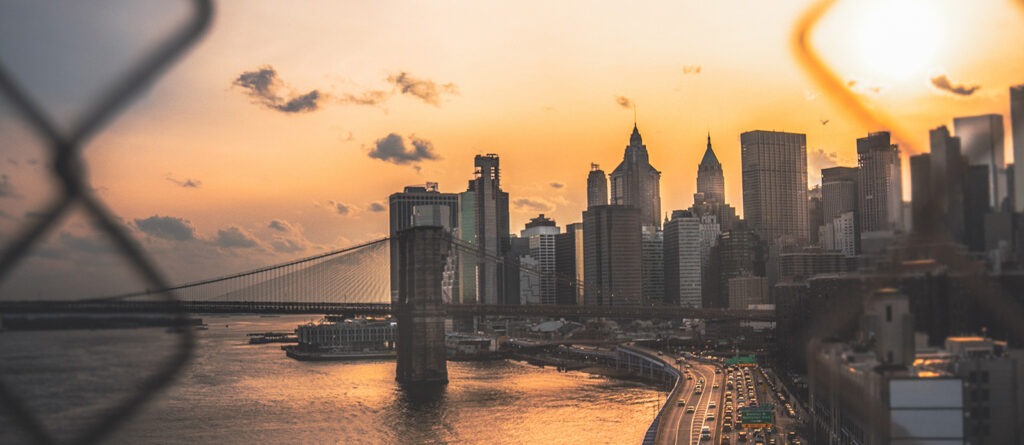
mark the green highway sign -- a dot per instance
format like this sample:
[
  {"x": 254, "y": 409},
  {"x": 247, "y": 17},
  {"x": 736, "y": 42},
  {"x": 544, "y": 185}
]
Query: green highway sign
[
  {"x": 756, "y": 416},
  {"x": 742, "y": 360}
]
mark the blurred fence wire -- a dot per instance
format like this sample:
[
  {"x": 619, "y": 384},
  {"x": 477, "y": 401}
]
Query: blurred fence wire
[{"x": 66, "y": 169}]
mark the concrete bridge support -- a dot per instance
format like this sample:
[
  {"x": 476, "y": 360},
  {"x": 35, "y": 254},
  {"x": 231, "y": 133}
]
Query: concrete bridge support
[{"x": 419, "y": 310}]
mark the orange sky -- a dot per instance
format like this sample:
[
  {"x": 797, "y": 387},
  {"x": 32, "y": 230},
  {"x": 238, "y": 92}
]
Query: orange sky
[{"x": 532, "y": 81}]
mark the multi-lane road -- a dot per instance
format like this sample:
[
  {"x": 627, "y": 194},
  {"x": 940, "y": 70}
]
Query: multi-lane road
[{"x": 705, "y": 410}]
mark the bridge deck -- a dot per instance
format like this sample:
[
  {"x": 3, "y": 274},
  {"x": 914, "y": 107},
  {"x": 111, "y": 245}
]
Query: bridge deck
[{"x": 642, "y": 312}]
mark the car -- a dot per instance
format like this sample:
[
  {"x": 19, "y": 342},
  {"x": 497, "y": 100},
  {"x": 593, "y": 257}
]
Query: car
[
  {"x": 725, "y": 441},
  {"x": 710, "y": 417},
  {"x": 680, "y": 403},
  {"x": 771, "y": 441},
  {"x": 689, "y": 410},
  {"x": 726, "y": 428},
  {"x": 715, "y": 386}
]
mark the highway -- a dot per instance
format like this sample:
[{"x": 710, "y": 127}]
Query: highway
[
  {"x": 682, "y": 425},
  {"x": 736, "y": 387}
]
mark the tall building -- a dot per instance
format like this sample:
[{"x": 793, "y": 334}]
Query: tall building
[
  {"x": 870, "y": 393},
  {"x": 683, "y": 259},
  {"x": 652, "y": 271},
  {"x": 612, "y": 255},
  {"x": 710, "y": 180},
  {"x": 1017, "y": 131},
  {"x": 636, "y": 183},
  {"x": 569, "y": 277},
  {"x": 541, "y": 233},
  {"x": 840, "y": 231},
  {"x": 597, "y": 187},
  {"x": 976, "y": 204},
  {"x": 747, "y": 290},
  {"x": 947, "y": 186},
  {"x": 737, "y": 253},
  {"x": 981, "y": 140},
  {"x": 412, "y": 207},
  {"x": 922, "y": 200},
  {"x": 775, "y": 185},
  {"x": 483, "y": 226},
  {"x": 815, "y": 215},
  {"x": 880, "y": 184}
]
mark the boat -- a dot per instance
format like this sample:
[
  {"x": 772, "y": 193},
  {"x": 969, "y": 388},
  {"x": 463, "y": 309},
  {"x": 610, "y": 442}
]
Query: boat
[
  {"x": 329, "y": 354},
  {"x": 262, "y": 338},
  {"x": 334, "y": 338}
]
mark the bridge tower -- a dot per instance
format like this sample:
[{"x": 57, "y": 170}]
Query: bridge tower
[{"x": 422, "y": 252}]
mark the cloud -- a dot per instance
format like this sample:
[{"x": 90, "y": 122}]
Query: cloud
[
  {"x": 280, "y": 226},
  {"x": 533, "y": 204},
  {"x": 623, "y": 101},
  {"x": 167, "y": 227},
  {"x": 235, "y": 237},
  {"x": 818, "y": 159},
  {"x": 425, "y": 90},
  {"x": 85, "y": 244},
  {"x": 377, "y": 207},
  {"x": 264, "y": 87},
  {"x": 391, "y": 148},
  {"x": 187, "y": 183},
  {"x": 289, "y": 238},
  {"x": 691, "y": 69},
  {"x": 556, "y": 185},
  {"x": 340, "y": 207},
  {"x": 7, "y": 190},
  {"x": 943, "y": 83},
  {"x": 300, "y": 104},
  {"x": 372, "y": 97}
]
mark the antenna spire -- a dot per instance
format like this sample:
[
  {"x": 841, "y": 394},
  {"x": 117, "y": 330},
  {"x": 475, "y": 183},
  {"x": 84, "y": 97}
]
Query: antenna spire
[{"x": 634, "y": 114}]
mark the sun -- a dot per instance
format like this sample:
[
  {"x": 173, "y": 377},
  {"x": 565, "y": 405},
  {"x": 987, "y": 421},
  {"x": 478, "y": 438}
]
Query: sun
[{"x": 898, "y": 39}]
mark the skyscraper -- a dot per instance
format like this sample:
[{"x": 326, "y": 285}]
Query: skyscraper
[
  {"x": 710, "y": 197},
  {"x": 710, "y": 180},
  {"x": 569, "y": 277},
  {"x": 612, "y": 255},
  {"x": 419, "y": 200},
  {"x": 981, "y": 141},
  {"x": 652, "y": 268},
  {"x": 775, "y": 185},
  {"x": 541, "y": 233},
  {"x": 636, "y": 183},
  {"x": 483, "y": 225},
  {"x": 947, "y": 185},
  {"x": 976, "y": 187},
  {"x": 880, "y": 184},
  {"x": 922, "y": 200},
  {"x": 597, "y": 187},
  {"x": 1017, "y": 130},
  {"x": 682, "y": 253}
]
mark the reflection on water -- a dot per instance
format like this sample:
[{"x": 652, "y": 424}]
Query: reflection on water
[{"x": 233, "y": 392}]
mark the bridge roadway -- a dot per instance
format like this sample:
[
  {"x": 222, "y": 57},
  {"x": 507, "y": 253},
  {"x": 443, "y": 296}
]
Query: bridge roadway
[{"x": 125, "y": 306}]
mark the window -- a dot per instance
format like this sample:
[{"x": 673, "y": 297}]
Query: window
[{"x": 888, "y": 314}]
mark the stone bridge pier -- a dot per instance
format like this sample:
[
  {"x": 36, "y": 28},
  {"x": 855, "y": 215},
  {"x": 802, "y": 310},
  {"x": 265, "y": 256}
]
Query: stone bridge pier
[{"x": 419, "y": 311}]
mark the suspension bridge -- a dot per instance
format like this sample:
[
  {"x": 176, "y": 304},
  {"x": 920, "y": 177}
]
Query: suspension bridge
[{"x": 351, "y": 281}]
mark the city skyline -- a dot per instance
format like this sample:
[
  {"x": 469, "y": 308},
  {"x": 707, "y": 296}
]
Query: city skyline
[{"x": 247, "y": 172}]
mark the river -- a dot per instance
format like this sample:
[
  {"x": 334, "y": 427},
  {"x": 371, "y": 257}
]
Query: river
[{"x": 235, "y": 393}]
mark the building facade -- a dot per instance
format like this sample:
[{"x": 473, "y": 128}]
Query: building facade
[
  {"x": 981, "y": 141},
  {"x": 682, "y": 259},
  {"x": 612, "y": 255},
  {"x": 484, "y": 234},
  {"x": 597, "y": 186},
  {"x": 880, "y": 184},
  {"x": 636, "y": 183},
  {"x": 1017, "y": 132},
  {"x": 775, "y": 185}
]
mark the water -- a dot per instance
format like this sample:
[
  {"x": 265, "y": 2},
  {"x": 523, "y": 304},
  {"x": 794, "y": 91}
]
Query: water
[{"x": 235, "y": 393}]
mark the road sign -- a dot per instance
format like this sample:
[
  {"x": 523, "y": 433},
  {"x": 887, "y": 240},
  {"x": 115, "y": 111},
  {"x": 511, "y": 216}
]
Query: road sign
[
  {"x": 757, "y": 416},
  {"x": 742, "y": 360}
]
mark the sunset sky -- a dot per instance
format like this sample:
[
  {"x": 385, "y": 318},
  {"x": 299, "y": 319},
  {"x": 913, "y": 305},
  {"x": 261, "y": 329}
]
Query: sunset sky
[{"x": 271, "y": 139}]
